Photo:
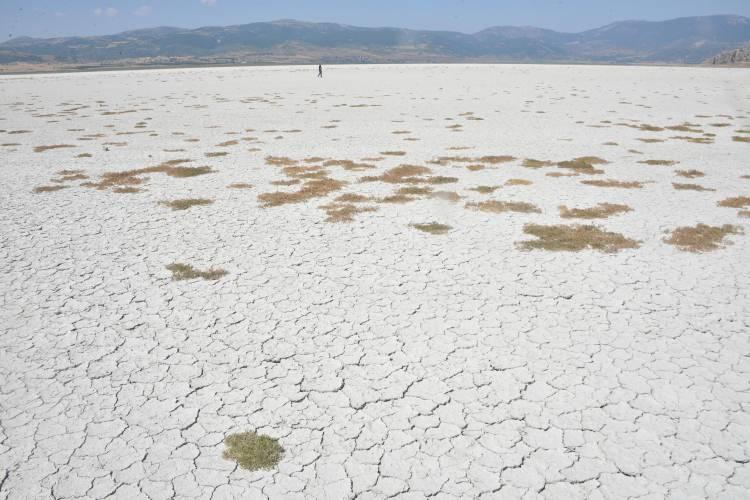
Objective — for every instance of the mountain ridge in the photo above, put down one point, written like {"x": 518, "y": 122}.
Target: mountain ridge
{"x": 687, "y": 40}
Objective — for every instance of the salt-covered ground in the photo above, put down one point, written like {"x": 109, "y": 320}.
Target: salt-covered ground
{"x": 388, "y": 361}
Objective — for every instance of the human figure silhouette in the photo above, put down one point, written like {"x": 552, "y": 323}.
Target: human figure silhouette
{"x": 320, "y": 71}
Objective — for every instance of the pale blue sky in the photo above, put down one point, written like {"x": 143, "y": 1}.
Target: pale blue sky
{"x": 46, "y": 18}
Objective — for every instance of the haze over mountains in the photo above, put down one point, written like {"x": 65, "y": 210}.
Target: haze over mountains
{"x": 684, "y": 40}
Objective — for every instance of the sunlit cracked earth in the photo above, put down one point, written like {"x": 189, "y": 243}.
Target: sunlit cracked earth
{"x": 387, "y": 360}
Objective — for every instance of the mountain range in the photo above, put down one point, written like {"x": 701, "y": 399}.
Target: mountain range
{"x": 686, "y": 40}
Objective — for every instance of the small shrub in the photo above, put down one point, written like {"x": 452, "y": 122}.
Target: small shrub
{"x": 253, "y": 451}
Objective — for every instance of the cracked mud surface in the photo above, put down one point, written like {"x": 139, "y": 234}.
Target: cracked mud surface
{"x": 388, "y": 362}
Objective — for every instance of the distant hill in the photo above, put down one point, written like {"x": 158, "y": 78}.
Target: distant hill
{"x": 686, "y": 40}
{"x": 737, "y": 57}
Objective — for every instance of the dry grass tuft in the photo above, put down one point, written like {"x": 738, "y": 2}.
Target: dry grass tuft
{"x": 580, "y": 166}
{"x": 485, "y": 189}
{"x": 352, "y": 198}
{"x": 348, "y": 165}
{"x": 252, "y": 451}
{"x": 432, "y": 228}
{"x": 736, "y": 202}
{"x": 401, "y": 174}
{"x": 315, "y": 188}
{"x": 393, "y": 153}
{"x": 227, "y": 143}
{"x": 601, "y": 211}
{"x": 240, "y": 185}
{"x": 287, "y": 182}
{"x": 344, "y": 212}
{"x": 612, "y": 183}
{"x": 739, "y": 138}
{"x": 186, "y": 203}
{"x": 280, "y": 161}
{"x": 667, "y": 163}
{"x": 492, "y": 160}
{"x": 397, "y": 199}
{"x": 475, "y": 168}
{"x": 216, "y": 154}
{"x": 518, "y": 182}
{"x": 41, "y": 149}
{"x": 187, "y": 171}
{"x": 701, "y": 238}
{"x": 574, "y": 238}
{"x": 415, "y": 190}
{"x": 182, "y": 272}
{"x": 497, "y": 207}
{"x": 126, "y": 190}
{"x": 561, "y": 174}
{"x": 690, "y": 187}
{"x": 48, "y": 189}
{"x": 84, "y": 155}
{"x": 690, "y": 174}
{"x": 531, "y": 163}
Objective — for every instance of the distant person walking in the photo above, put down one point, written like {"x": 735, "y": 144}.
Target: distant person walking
{"x": 320, "y": 71}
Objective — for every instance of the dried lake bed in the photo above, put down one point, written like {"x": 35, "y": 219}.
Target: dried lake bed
{"x": 456, "y": 281}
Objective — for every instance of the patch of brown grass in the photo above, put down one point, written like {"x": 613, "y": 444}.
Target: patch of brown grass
{"x": 397, "y": 199}
{"x": 348, "y": 165}
{"x": 182, "y": 272}
{"x": 580, "y": 166}
{"x": 316, "y": 188}
{"x": 601, "y": 211}
{"x": 288, "y": 182}
{"x": 492, "y": 160}
{"x": 690, "y": 174}
{"x": 186, "y": 203}
{"x": 344, "y": 212}
{"x": 560, "y": 174}
{"x": 216, "y": 154}
{"x": 574, "y": 238}
{"x": 187, "y": 171}
{"x": 126, "y": 190}
{"x": 240, "y": 185}
{"x": 48, "y": 189}
{"x": 690, "y": 187}
{"x": 485, "y": 189}
{"x": 432, "y": 228}
{"x": 612, "y": 183}
{"x": 280, "y": 161}
{"x": 497, "y": 207}
{"x": 531, "y": 163}
{"x": 701, "y": 238}
{"x": 352, "y": 198}
{"x": 736, "y": 202}
{"x": 400, "y": 174}
{"x": 739, "y": 138}
{"x": 41, "y": 149}
{"x": 695, "y": 140}
{"x": 475, "y": 168}
{"x": 393, "y": 153}
{"x": 227, "y": 143}
{"x": 651, "y": 141}
{"x": 518, "y": 182}
{"x": 415, "y": 190}
{"x": 666, "y": 163}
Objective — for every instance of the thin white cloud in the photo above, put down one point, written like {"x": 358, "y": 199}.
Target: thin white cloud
{"x": 108, "y": 12}
{"x": 143, "y": 11}
{"x": 208, "y": 3}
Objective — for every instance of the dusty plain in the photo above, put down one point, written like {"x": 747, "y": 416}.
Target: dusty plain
{"x": 498, "y": 281}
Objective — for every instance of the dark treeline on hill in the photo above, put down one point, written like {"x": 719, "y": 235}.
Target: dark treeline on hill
{"x": 686, "y": 40}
